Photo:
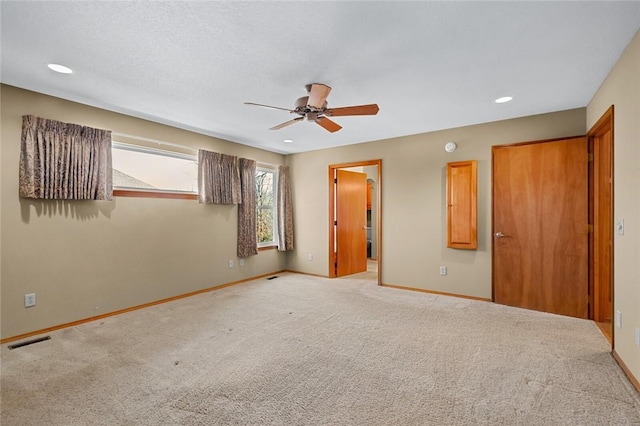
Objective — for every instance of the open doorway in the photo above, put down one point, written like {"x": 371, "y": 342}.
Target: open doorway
{"x": 355, "y": 220}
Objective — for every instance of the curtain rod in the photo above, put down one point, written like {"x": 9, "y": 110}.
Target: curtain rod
{"x": 175, "y": 145}
{"x": 159, "y": 142}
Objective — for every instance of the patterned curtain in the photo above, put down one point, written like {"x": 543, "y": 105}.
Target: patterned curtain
{"x": 247, "y": 234}
{"x": 64, "y": 161}
{"x": 218, "y": 178}
{"x": 284, "y": 210}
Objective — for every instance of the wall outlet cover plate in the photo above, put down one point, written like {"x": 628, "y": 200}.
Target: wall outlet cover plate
{"x": 29, "y": 300}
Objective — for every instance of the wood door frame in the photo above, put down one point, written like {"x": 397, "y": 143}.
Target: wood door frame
{"x": 332, "y": 218}
{"x": 605, "y": 123}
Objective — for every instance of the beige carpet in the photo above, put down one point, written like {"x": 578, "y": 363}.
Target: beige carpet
{"x": 300, "y": 350}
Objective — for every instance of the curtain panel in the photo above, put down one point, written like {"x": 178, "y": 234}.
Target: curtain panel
{"x": 218, "y": 178}
{"x": 284, "y": 210}
{"x": 64, "y": 161}
{"x": 247, "y": 234}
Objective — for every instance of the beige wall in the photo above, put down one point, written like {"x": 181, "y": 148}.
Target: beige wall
{"x": 88, "y": 258}
{"x": 622, "y": 89}
{"x": 413, "y": 243}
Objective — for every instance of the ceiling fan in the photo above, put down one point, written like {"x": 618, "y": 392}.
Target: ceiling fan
{"x": 314, "y": 108}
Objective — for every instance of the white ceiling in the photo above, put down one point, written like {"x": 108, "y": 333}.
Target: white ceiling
{"x": 428, "y": 65}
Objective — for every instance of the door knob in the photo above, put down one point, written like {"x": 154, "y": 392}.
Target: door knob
{"x": 499, "y": 235}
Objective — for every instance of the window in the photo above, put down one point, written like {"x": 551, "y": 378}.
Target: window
{"x": 153, "y": 171}
{"x": 149, "y": 172}
{"x": 266, "y": 180}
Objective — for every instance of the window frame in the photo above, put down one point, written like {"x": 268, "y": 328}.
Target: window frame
{"x": 261, "y": 167}
{"x": 153, "y": 193}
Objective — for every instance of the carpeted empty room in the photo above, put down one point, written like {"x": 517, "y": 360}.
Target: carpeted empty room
{"x": 302, "y": 350}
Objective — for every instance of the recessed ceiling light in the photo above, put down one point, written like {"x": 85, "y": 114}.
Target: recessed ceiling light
{"x": 503, "y": 99}
{"x": 60, "y": 68}
{"x": 288, "y": 141}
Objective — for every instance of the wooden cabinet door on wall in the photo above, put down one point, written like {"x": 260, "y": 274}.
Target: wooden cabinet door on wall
{"x": 462, "y": 190}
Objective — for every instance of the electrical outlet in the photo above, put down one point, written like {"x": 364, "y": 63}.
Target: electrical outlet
{"x": 638, "y": 336}
{"x": 241, "y": 262}
{"x": 310, "y": 257}
{"x": 618, "y": 319}
{"x": 231, "y": 263}
{"x": 443, "y": 270}
{"x": 29, "y": 300}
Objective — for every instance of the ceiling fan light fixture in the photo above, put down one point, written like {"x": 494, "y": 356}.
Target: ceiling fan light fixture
{"x": 504, "y": 99}
{"x": 60, "y": 68}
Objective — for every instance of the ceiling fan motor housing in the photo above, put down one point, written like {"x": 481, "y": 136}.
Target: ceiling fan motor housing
{"x": 303, "y": 108}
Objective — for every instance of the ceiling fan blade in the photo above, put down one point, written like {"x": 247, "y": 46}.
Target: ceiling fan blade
{"x": 268, "y": 106}
{"x": 329, "y": 125}
{"x": 371, "y": 109}
{"x": 318, "y": 95}
{"x": 286, "y": 123}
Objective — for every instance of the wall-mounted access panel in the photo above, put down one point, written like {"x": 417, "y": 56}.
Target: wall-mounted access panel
{"x": 462, "y": 194}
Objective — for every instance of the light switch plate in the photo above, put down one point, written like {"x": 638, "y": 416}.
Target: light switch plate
{"x": 620, "y": 227}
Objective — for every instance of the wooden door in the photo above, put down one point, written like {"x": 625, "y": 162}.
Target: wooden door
{"x": 540, "y": 243}
{"x": 351, "y": 221}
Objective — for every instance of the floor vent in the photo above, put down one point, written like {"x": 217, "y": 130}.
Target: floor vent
{"x": 29, "y": 342}
{"x": 273, "y": 278}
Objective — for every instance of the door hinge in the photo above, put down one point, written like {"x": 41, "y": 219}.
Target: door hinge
{"x": 590, "y": 157}
{"x": 335, "y": 180}
{"x": 590, "y": 228}
{"x": 335, "y": 223}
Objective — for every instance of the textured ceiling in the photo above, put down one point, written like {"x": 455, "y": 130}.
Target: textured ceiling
{"x": 428, "y": 65}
